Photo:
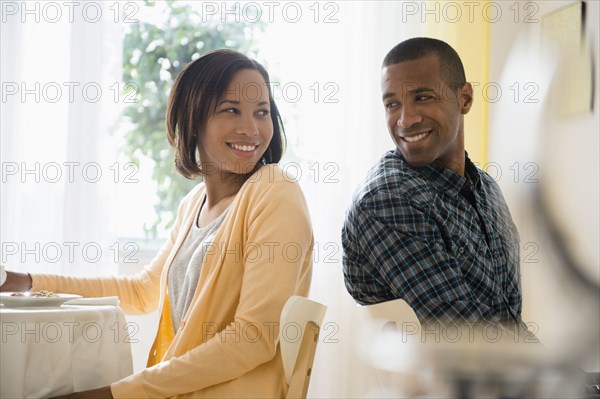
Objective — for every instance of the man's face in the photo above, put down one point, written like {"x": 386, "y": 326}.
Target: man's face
{"x": 424, "y": 115}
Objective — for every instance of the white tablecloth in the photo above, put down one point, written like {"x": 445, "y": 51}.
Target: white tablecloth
{"x": 53, "y": 351}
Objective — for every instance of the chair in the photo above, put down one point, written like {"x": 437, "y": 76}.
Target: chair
{"x": 391, "y": 314}
{"x": 379, "y": 323}
{"x": 298, "y": 337}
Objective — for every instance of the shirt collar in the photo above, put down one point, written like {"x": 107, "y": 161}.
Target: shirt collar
{"x": 472, "y": 172}
{"x": 446, "y": 179}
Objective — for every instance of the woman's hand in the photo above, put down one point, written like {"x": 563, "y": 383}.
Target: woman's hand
{"x": 17, "y": 282}
{"x": 100, "y": 393}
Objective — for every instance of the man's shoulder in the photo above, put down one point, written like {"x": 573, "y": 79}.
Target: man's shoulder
{"x": 489, "y": 183}
{"x": 391, "y": 175}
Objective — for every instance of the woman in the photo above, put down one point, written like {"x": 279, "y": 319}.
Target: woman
{"x": 240, "y": 247}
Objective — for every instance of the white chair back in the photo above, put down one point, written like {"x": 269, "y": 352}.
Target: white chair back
{"x": 294, "y": 316}
{"x": 383, "y": 326}
{"x": 396, "y": 313}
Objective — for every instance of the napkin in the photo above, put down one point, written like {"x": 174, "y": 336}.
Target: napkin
{"x": 2, "y": 275}
{"x": 101, "y": 301}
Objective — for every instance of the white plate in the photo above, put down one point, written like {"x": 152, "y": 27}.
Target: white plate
{"x": 19, "y": 301}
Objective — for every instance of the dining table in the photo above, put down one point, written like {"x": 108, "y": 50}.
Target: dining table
{"x": 46, "y": 351}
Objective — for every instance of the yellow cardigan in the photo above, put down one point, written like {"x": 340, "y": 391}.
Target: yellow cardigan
{"x": 227, "y": 344}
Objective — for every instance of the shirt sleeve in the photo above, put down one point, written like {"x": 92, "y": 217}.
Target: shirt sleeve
{"x": 400, "y": 252}
{"x": 361, "y": 277}
{"x": 138, "y": 294}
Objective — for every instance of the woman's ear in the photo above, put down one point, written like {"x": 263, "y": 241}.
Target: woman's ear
{"x": 466, "y": 98}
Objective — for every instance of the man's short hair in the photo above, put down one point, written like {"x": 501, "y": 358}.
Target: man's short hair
{"x": 450, "y": 64}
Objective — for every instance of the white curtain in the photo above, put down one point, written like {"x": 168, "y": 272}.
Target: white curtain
{"x": 58, "y": 110}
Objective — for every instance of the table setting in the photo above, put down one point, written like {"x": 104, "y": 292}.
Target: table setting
{"x": 53, "y": 344}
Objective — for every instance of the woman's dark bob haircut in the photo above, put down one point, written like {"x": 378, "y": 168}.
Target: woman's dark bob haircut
{"x": 198, "y": 89}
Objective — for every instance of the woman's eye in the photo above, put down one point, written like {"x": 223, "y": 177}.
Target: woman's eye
{"x": 229, "y": 110}
{"x": 264, "y": 112}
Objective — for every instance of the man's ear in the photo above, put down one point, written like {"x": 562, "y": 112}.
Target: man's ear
{"x": 466, "y": 98}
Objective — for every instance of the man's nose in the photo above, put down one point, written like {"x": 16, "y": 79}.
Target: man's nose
{"x": 409, "y": 117}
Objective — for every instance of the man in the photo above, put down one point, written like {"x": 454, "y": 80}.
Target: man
{"x": 427, "y": 225}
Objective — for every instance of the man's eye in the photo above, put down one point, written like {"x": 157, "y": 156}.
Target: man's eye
{"x": 424, "y": 98}
{"x": 391, "y": 104}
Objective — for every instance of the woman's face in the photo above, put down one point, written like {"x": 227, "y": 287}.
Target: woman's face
{"x": 237, "y": 135}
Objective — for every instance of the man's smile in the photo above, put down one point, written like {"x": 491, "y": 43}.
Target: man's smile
{"x": 416, "y": 137}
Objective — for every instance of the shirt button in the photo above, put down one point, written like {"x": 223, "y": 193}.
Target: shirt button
{"x": 461, "y": 250}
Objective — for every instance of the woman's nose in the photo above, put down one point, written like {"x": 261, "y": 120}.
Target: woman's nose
{"x": 247, "y": 126}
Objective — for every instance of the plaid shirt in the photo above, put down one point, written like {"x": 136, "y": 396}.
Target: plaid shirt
{"x": 444, "y": 243}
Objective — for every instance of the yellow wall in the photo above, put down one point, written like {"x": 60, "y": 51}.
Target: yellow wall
{"x": 471, "y": 40}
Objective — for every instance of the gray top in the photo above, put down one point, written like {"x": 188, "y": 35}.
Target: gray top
{"x": 185, "y": 269}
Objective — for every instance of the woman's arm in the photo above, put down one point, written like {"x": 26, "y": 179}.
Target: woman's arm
{"x": 17, "y": 282}
{"x": 138, "y": 293}
{"x": 100, "y": 393}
